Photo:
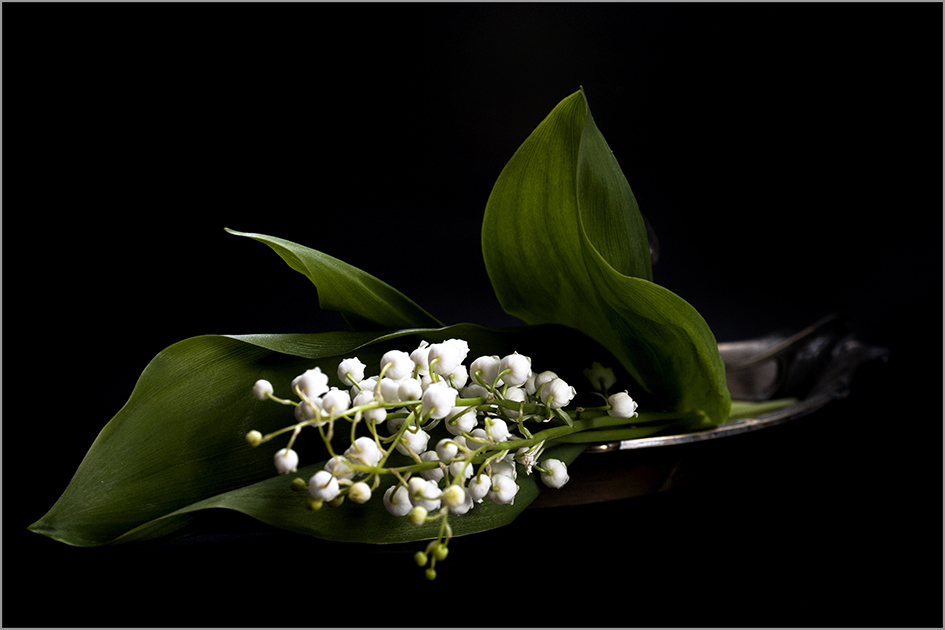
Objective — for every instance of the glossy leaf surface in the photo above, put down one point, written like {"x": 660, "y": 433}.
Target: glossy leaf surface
{"x": 564, "y": 242}
{"x": 366, "y": 302}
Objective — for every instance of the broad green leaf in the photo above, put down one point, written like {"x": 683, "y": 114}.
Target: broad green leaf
{"x": 366, "y": 302}
{"x": 273, "y": 502}
{"x": 180, "y": 438}
{"x": 564, "y": 242}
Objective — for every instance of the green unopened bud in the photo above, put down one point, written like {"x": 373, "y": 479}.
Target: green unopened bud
{"x": 254, "y": 438}
{"x": 315, "y": 504}
{"x": 420, "y": 558}
{"x": 299, "y": 484}
{"x": 337, "y": 501}
{"x": 417, "y": 515}
{"x": 440, "y": 552}
{"x": 431, "y": 574}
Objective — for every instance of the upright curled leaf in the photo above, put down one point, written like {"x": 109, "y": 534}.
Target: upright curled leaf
{"x": 564, "y": 242}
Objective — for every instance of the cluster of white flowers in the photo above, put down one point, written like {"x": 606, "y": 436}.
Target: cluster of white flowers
{"x": 483, "y": 408}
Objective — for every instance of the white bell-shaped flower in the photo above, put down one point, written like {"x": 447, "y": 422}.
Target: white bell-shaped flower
{"x": 424, "y": 493}
{"x": 261, "y": 389}
{"x": 312, "y": 383}
{"x": 323, "y": 486}
{"x": 503, "y": 490}
{"x": 515, "y": 394}
{"x": 390, "y": 390}
{"x": 458, "y": 377}
{"x": 433, "y": 474}
{"x": 622, "y": 406}
{"x": 420, "y": 358}
{"x": 447, "y": 355}
{"x": 446, "y": 450}
{"x": 367, "y": 385}
{"x": 461, "y": 468}
{"x": 540, "y": 379}
{"x": 520, "y": 367}
{"x": 397, "y": 500}
{"x": 409, "y": 389}
{"x": 484, "y": 370}
{"x": 339, "y": 468}
{"x": 438, "y": 400}
{"x": 479, "y": 487}
{"x": 557, "y": 474}
{"x": 415, "y": 441}
{"x": 465, "y": 421}
{"x": 335, "y": 402}
{"x": 556, "y": 393}
{"x": 497, "y": 429}
{"x": 286, "y": 460}
{"x": 309, "y": 410}
{"x": 401, "y": 365}
{"x": 365, "y": 451}
{"x": 473, "y": 390}
{"x": 351, "y": 371}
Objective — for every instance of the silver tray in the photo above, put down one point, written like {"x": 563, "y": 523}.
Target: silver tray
{"x": 815, "y": 365}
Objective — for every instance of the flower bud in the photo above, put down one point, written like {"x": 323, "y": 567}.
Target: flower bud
{"x": 601, "y": 378}
{"x": 417, "y": 515}
{"x": 351, "y": 371}
{"x": 254, "y": 438}
{"x": 454, "y": 496}
{"x": 286, "y": 460}
{"x": 262, "y": 389}
{"x": 557, "y": 474}
{"x": 622, "y": 406}
{"x": 360, "y": 492}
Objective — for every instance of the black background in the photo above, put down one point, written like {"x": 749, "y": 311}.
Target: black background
{"x": 789, "y": 157}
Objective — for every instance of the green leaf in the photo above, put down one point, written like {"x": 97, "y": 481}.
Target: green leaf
{"x": 178, "y": 445}
{"x": 366, "y": 302}
{"x": 564, "y": 242}
{"x": 273, "y": 502}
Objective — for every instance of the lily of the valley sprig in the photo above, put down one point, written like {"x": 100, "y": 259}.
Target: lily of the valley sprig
{"x": 425, "y": 431}
{"x": 465, "y": 431}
